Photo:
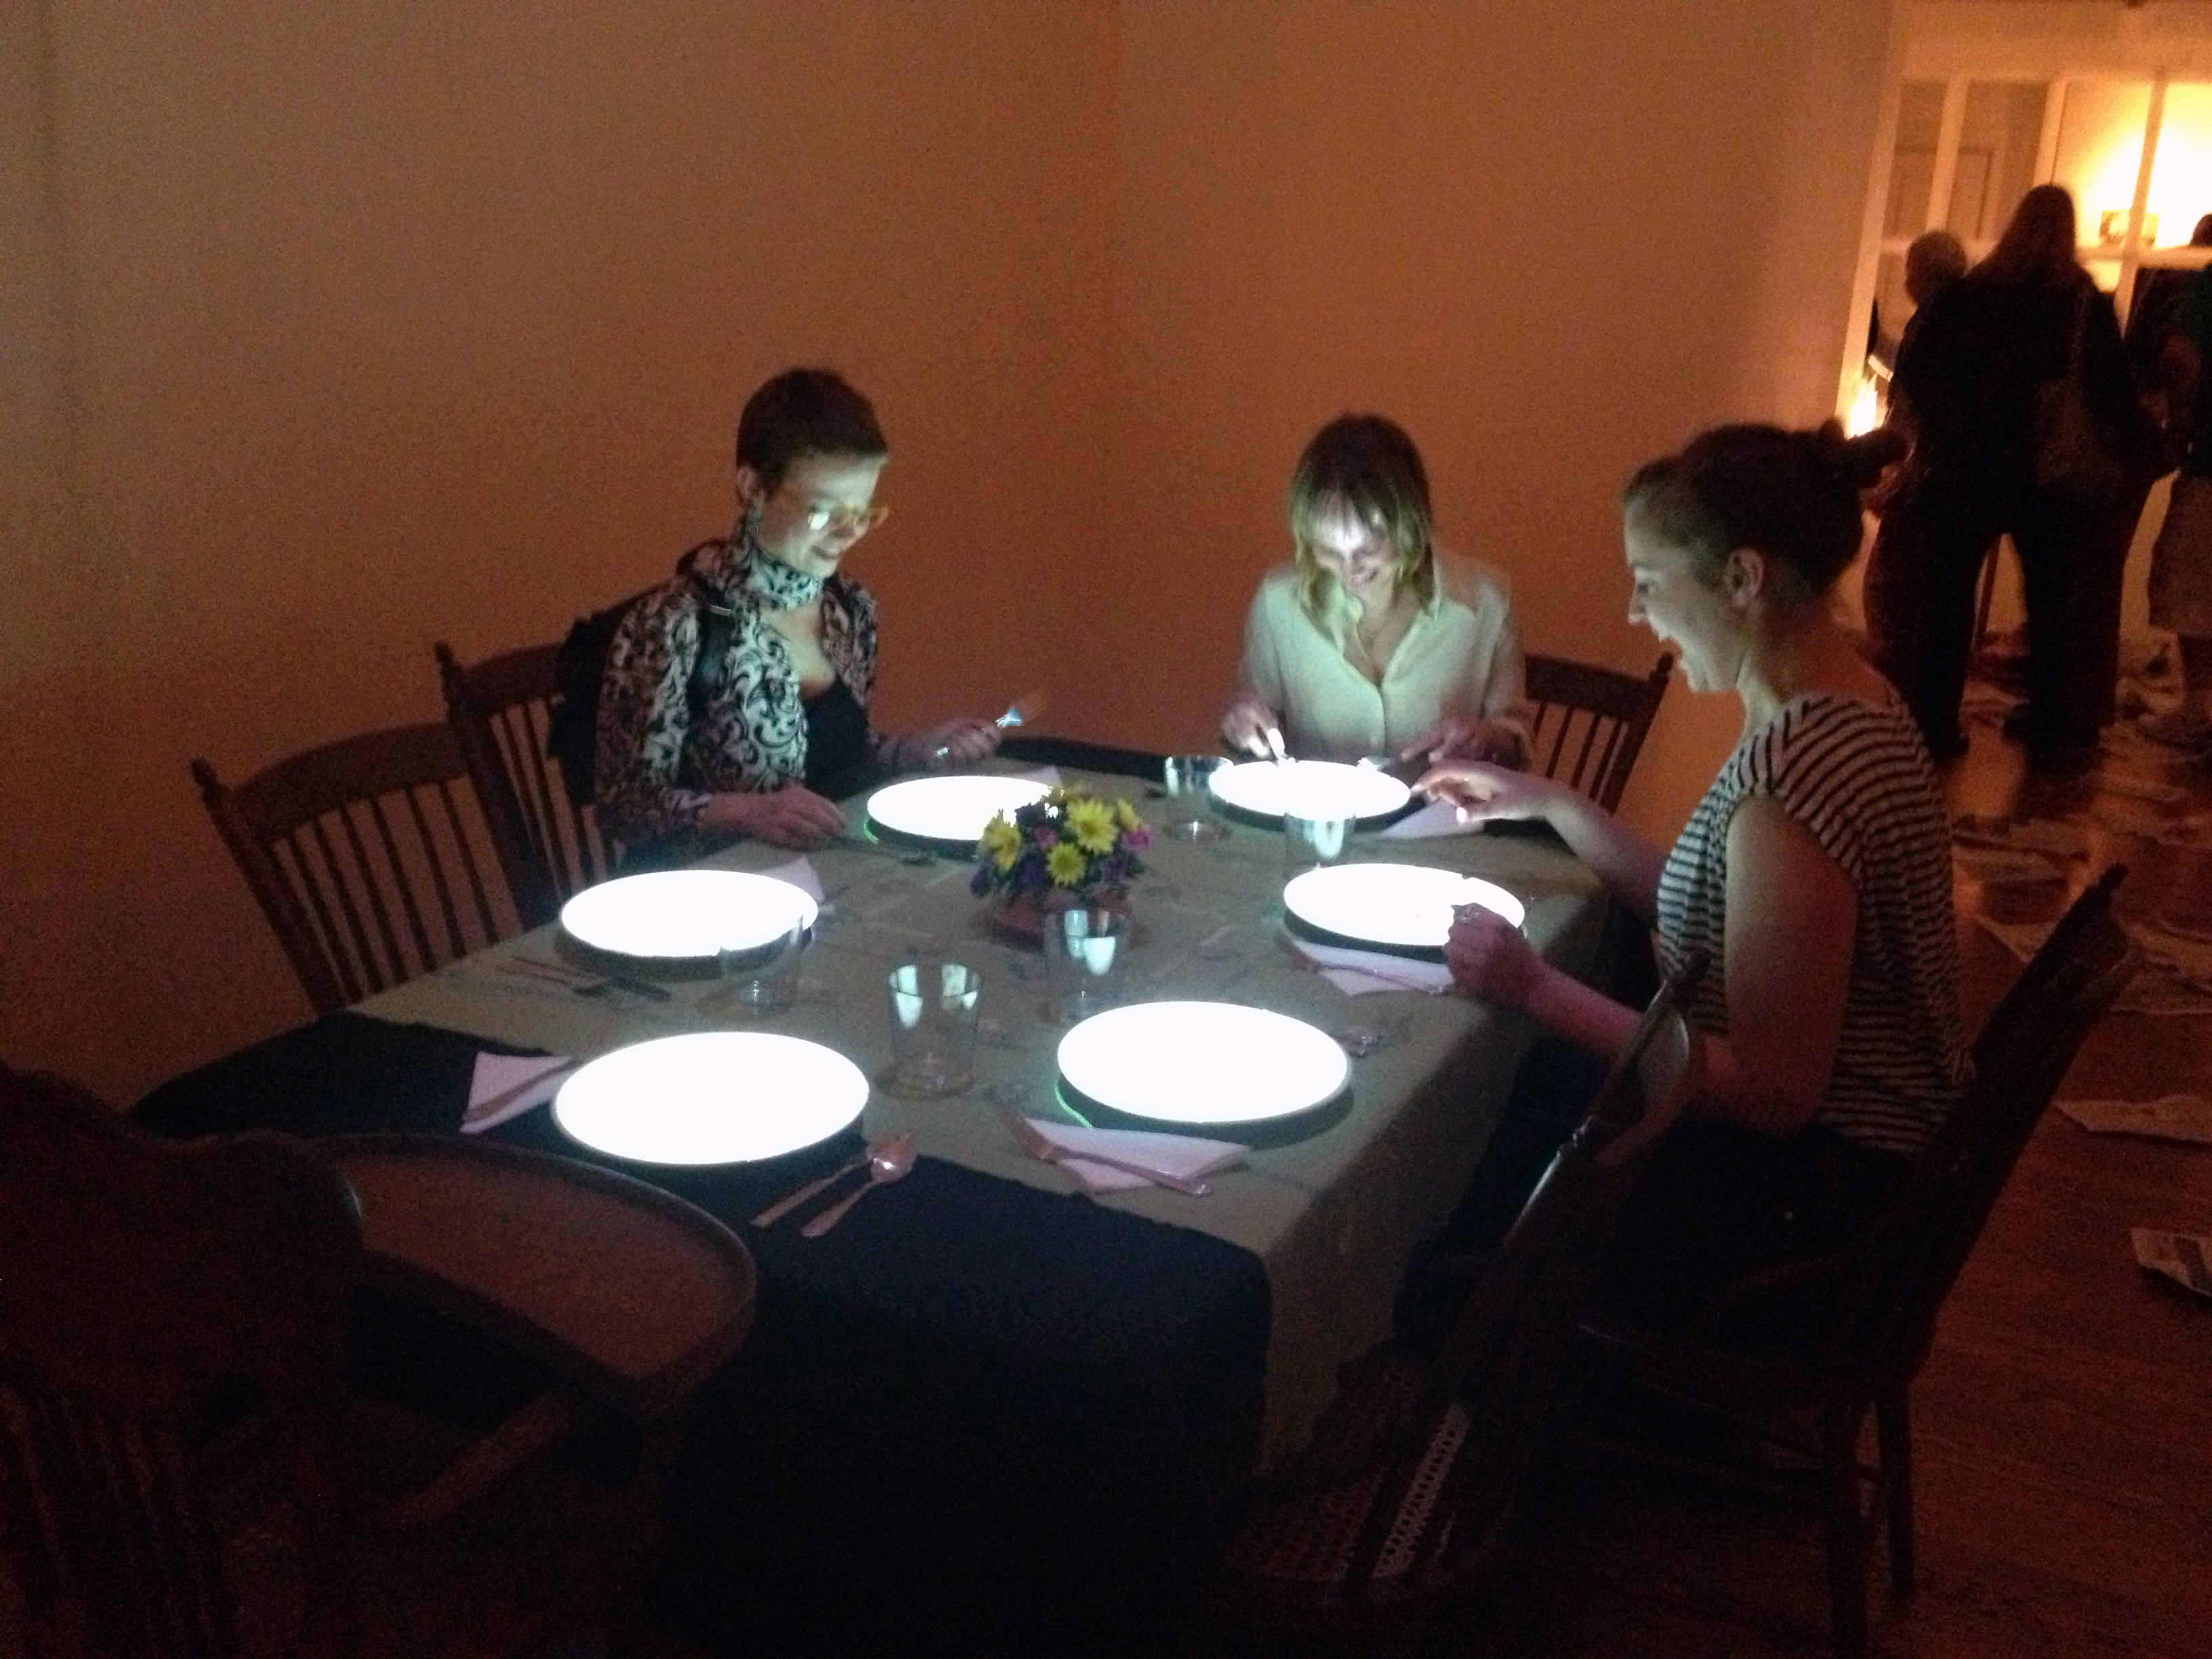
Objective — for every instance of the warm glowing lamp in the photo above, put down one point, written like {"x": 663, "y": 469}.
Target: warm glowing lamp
{"x": 1203, "y": 1063}
{"x": 711, "y": 1097}
{"x": 686, "y": 914}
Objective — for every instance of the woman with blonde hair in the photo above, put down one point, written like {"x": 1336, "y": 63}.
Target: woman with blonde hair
{"x": 1372, "y": 641}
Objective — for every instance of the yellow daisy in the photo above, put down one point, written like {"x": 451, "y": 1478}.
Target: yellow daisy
{"x": 1126, "y": 816}
{"x": 1066, "y": 863}
{"x": 1091, "y": 823}
{"x": 1002, "y": 841}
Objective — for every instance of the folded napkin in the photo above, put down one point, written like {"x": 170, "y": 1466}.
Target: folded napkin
{"x": 508, "y": 1085}
{"x": 2170, "y": 1117}
{"x": 801, "y": 873}
{"x": 1047, "y": 775}
{"x": 1175, "y": 1155}
{"x": 1439, "y": 818}
{"x": 1360, "y": 973}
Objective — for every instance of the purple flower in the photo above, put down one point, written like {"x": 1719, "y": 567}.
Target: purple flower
{"x": 1141, "y": 836}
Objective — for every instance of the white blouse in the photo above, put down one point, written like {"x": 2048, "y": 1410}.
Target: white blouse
{"x": 1462, "y": 656}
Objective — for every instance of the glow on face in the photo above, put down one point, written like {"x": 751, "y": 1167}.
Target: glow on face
{"x": 1666, "y": 596}
{"x": 1359, "y": 555}
{"x": 819, "y": 510}
{"x": 711, "y": 1097}
{"x": 1203, "y": 1062}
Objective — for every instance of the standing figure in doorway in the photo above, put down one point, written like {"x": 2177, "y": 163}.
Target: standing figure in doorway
{"x": 2181, "y": 563}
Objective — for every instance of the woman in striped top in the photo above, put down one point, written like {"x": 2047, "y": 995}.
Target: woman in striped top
{"x": 1816, "y": 872}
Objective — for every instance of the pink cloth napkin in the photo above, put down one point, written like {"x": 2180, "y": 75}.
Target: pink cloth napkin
{"x": 508, "y": 1085}
{"x": 1178, "y": 1155}
{"x": 1361, "y": 973}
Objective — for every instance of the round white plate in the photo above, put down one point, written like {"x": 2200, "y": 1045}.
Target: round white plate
{"x": 1313, "y": 789}
{"x": 949, "y": 809}
{"x": 711, "y": 1097}
{"x": 1407, "y": 905}
{"x": 686, "y": 914}
{"x": 1203, "y": 1062}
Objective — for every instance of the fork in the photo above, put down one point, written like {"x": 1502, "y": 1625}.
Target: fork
{"x": 1045, "y": 1150}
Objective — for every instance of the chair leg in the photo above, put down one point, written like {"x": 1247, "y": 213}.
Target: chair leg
{"x": 1846, "y": 1527}
{"x": 1894, "y": 1426}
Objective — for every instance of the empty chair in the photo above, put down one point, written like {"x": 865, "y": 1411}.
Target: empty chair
{"x": 1395, "y": 1509}
{"x": 370, "y": 856}
{"x": 183, "y": 1471}
{"x": 501, "y": 710}
{"x": 1843, "y": 1335}
{"x": 1590, "y": 722}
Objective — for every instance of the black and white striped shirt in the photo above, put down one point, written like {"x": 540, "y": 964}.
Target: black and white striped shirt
{"x": 1857, "y": 776}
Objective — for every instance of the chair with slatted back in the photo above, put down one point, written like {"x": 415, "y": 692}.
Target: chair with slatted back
{"x": 1395, "y": 1512}
{"x": 501, "y": 710}
{"x": 1842, "y": 1336}
{"x": 1590, "y": 722}
{"x": 184, "y": 1470}
{"x": 371, "y": 857}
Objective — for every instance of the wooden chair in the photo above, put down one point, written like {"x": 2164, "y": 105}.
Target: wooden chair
{"x": 183, "y": 1471}
{"x": 371, "y": 857}
{"x": 500, "y": 710}
{"x": 1591, "y": 722}
{"x": 1395, "y": 1508}
{"x": 1863, "y": 1320}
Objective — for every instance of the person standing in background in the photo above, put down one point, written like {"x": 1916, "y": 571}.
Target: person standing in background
{"x": 2181, "y": 562}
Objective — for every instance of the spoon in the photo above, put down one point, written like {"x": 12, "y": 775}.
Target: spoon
{"x": 782, "y": 1207}
{"x": 891, "y": 1161}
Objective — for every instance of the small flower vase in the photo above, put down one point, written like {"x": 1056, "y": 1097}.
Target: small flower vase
{"x": 1023, "y": 914}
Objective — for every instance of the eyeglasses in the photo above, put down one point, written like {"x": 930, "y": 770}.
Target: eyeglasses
{"x": 818, "y": 516}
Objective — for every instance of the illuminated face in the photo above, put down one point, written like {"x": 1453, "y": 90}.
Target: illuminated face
{"x": 1666, "y": 595}
{"x": 1360, "y": 555}
{"x": 824, "y": 504}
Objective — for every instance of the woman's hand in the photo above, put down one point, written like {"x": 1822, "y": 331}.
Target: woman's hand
{"x": 960, "y": 742}
{"x": 1246, "y": 721}
{"x": 1455, "y": 738}
{"x": 794, "y": 815}
{"x": 1483, "y": 791}
{"x": 1490, "y": 957}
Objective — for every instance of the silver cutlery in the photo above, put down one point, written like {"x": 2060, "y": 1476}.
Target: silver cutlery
{"x": 892, "y": 1161}
{"x": 581, "y": 980}
{"x": 1045, "y": 1150}
{"x": 782, "y": 1207}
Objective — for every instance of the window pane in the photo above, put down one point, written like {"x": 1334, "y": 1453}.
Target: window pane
{"x": 2099, "y": 149}
{"x": 2181, "y": 180}
{"x": 1996, "y": 156}
{"x": 1912, "y": 163}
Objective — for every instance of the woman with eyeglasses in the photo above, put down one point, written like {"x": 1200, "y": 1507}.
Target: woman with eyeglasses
{"x": 1371, "y": 642}
{"x": 780, "y": 726}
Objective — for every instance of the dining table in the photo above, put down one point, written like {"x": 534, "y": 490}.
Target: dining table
{"x": 991, "y": 1411}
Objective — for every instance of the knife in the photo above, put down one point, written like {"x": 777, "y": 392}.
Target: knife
{"x": 1045, "y": 1150}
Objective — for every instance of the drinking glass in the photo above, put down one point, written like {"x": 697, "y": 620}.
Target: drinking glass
{"x": 1084, "y": 950}
{"x": 1311, "y": 842}
{"x": 932, "y": 1013}
{"x": 1189, "y": 780}
{"x": 763, "y": 980}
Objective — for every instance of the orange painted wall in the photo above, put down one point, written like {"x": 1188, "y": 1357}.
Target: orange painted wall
{"x": 332, "y": 330}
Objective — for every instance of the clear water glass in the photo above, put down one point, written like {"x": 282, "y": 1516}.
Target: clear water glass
{"x": 1189, "y": 782}
{"x": 933, "y": 1005}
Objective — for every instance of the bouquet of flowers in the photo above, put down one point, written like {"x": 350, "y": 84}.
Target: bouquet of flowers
{"x": 1071, "y": 843}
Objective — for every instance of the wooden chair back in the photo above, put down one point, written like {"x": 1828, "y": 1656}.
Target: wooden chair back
{"x": 1590, "y": 722}
{"x": 158, "y": 1300}
{"x": 1401, "y": 1500}
{"x": 371, "y": 857}
{"x": 1885, "y": 1318}
{"x": 501, "y": 710}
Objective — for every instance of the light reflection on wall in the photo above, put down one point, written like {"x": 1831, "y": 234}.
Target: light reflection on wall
{"x": 2181, "y": 185}
{"x": 2101, "y": 147}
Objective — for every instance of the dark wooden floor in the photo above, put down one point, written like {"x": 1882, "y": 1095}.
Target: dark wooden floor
{"x": 2063, "y": 1423}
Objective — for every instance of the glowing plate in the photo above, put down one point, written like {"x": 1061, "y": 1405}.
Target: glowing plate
{"x": 711, "y": 1097}
{"x": 1212, "y": 1063}
{"x": 1404, "y": 906}
{"x": 949, "y": 813}
{"x": 1313, "y": 789}
{"x": 685, "y": 915}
